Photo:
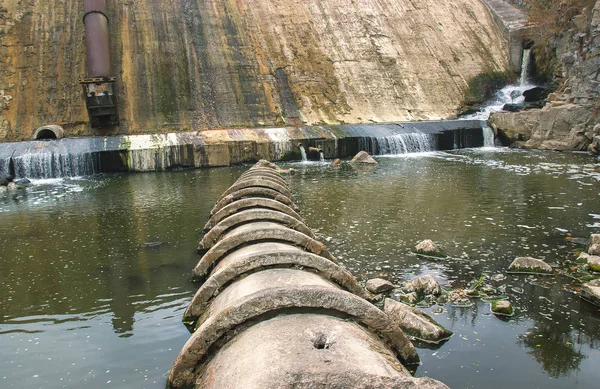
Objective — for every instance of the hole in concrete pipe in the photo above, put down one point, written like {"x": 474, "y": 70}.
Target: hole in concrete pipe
{"x": 322, "y": 341}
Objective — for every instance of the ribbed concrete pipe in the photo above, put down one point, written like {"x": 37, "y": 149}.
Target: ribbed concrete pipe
{"x": 273, "y": 300}
{"x": 249, "y": 203}
{"x": 262, "y": 182}
{"x": 253, "y": 192}
{"x": 254, "y": 233}
{"x": 262, "y": 176}
{"x": 262, "y": 256}
{"x": 264, "y": 172}
{"x": 328, "y": 352}
{"x": 248, "y": 216}
{"x": 270, "y": 289}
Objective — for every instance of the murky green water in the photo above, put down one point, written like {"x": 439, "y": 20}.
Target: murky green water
{"x": 83, "y": 304}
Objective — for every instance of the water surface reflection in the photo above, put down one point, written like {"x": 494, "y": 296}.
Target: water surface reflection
{"x": 85, "y": 304}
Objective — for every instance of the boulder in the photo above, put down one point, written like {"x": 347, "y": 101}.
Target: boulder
{"x": 535, "y": 94}
{"x": 583, "y": 257}
{"x": 502, "y": 308}
{"x": 5, "y": 179}
{"x": 414, "y": 323}
{"x": 364, "y": 157}
{"x": 379, "y": 285}
{"x": 594, "y": 249}
{"x": 591, "y": 292}
{"x": 510, "y": 107}
{"x": 409, "y": 298}
{"x": 594, "y": 240}
{"x": 336, "y": 162}
{"x": 529, "y": 265}
{"x": 423, "y": 286}
{"x": 428, "y": 247}
{"x": 593, "y": 263}
{"x": 553, "y": 127}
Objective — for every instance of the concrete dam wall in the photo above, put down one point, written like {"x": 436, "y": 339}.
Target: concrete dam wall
{"x": 275, "y": 310}
{"x": 205, "y": 64}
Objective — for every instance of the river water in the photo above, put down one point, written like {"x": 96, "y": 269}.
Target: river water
{"x": 85, "y": 304}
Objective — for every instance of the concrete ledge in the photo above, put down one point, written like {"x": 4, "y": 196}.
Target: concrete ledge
{"x": 513, "y": 24}
{"x": 140, "y": 153}
{"x": 249, "y": 203}
{"x": 277, "y": 299}
{"x": 253, "y": 192}
{"x": 252, "y": 215}
{"x": 268, "y": 255}
{"x": 255, "y": 233}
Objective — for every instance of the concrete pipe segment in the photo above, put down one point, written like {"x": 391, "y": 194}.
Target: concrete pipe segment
{"x": 275, "y": 310}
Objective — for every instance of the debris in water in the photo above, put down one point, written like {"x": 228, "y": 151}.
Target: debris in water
{"x": 148, "y": 245}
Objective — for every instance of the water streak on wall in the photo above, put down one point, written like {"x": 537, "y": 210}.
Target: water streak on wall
{"x": 206, "y": 64}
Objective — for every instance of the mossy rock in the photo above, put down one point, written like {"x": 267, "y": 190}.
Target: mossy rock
{"x": 502, "y": 308}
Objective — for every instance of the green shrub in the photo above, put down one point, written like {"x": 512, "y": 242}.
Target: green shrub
{"x": 484, "y": 85}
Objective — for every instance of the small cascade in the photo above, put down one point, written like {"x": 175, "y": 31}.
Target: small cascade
{"x": 303, "y": 153}
{"x": 525, "y": 66}
{"x": 400, "y": 144}
{"x": 488, "y": 136}
{"x": 510, "y": 94}
{"x": 50, "y": 165}
{"x": 321, "y": 157}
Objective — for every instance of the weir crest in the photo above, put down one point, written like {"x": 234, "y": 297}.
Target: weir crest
{"x": 70, "y": 157}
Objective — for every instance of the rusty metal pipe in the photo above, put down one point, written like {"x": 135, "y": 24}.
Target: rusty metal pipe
{"x": 314, "y": 149}
{"x": 96, "y": 38}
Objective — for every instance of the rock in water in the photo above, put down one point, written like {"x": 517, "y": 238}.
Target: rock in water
{"x": 583, "y": 257}
{"x": 409, "y": 298}
{"x": 594, "y": 239}
{"x": 379, "y": 285}
{"x": 5, "y": 179}
{"x": 502, "y": 308}
{"x": 591, "y": 292}
{"x": 3, "y": 190}
{"x": 415, "y": 323}
{"x": 336, "y": 162}
{"x": 593, "y": 247}
{"x": 424, "y": 286}
{"x": 510, "y": 107}
{"x": 593, "y": 263}
{"x": 535, "y": 94}
{"x": 529, "y": 265}
{"x": 428, "y": 247}
{"x": 151, "y": 245}
{"x": 364, "y": 157}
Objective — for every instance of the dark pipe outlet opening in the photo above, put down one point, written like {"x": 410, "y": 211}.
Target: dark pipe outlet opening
{"x": 45, "y": 135}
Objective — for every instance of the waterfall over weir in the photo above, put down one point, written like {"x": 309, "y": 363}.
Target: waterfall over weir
{"x": 400, "y": 144}
{"x": 139, "y": 153}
